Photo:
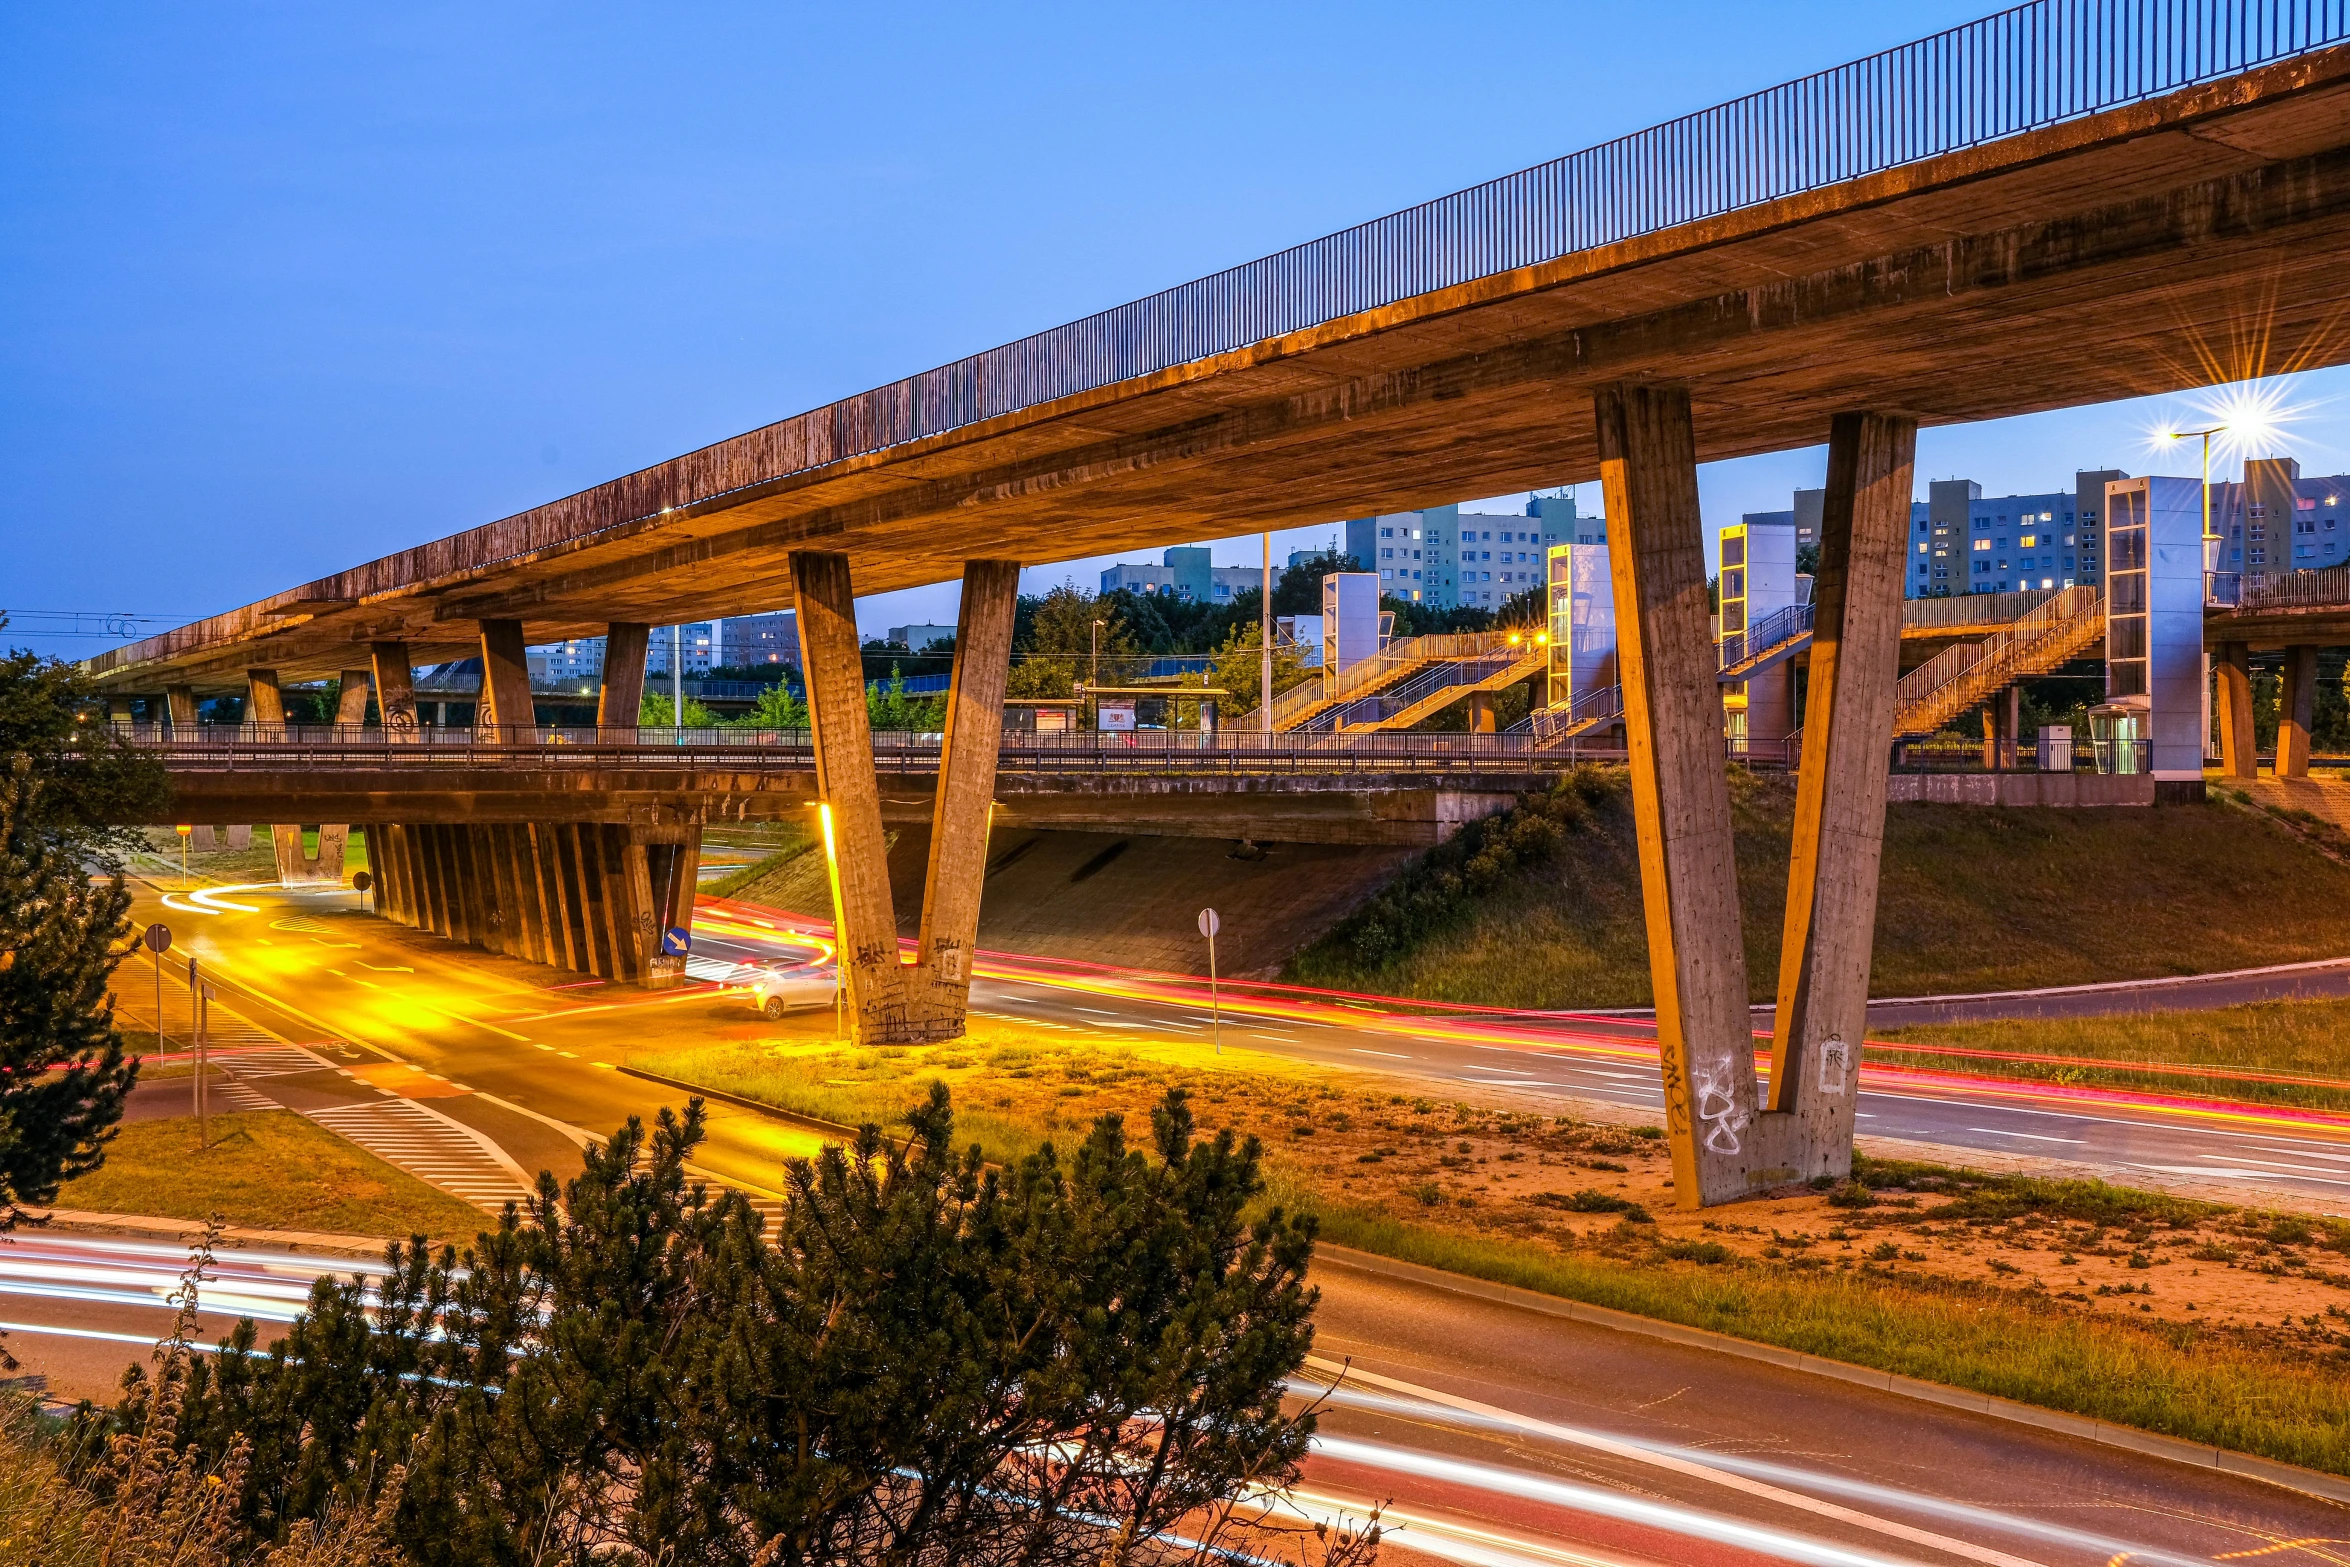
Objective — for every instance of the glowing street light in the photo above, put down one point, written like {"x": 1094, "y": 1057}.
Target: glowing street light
{"x": 2244, "y": 419}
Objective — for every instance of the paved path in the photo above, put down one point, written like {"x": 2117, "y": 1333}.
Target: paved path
{"x": 1500, "y": 1434}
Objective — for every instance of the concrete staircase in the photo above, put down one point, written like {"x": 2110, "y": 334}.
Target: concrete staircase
{"x": 1315, "y": 705}
{"x": 1971, "y": 673}
{"x": 1546, "y": 727}
{"x": 1440, "y": 684}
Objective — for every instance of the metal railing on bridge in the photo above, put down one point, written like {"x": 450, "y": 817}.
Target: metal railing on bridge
{"x": 2324, "y": 587}
{"x": 2020, "y": 70}
{"x": 278, "y": 748}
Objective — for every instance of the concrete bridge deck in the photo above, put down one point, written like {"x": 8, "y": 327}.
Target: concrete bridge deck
{"x": 2169, "y": 202}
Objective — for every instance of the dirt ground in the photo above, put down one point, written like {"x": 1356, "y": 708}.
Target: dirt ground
{"x": 1598, "y": 1185}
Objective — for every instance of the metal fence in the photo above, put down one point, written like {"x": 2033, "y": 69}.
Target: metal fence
{"x": 324, "y": 749}
{"x": 2324, "y": 587}
{"x": 2020, "y": 70}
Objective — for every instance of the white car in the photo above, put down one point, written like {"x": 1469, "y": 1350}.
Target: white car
{"x": 783, "y": 985}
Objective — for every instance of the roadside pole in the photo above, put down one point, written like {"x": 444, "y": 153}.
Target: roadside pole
{"x": 156, "y": 938}
{"x": 1209, "y": 924}
{"x": 196, "y": 1021}
{"x": 1265, "y": 642}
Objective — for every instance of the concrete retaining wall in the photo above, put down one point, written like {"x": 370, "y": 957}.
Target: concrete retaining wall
{"x": 2074, "y": 789}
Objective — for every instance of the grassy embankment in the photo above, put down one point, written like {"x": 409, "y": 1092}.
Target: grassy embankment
{"x": 2213, "y": 1323}
{"x": 784, "y": 869}
{"x": 1973, "y": 898}
{"x": 266, "y": 1170}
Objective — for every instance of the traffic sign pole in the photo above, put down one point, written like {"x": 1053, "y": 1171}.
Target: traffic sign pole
{"x": 1209, "y": 924}
{"x": 156, "y": 938}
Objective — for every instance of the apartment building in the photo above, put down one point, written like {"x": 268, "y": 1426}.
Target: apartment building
{"x": 1446, "y": 557}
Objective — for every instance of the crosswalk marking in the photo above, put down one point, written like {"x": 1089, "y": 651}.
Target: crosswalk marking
{"x": 432, "y": 1147}
{"x": 282, "y": 1061}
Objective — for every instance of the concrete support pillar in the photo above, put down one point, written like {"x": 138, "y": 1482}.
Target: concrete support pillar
{"x": 505, "y": 682}
{"x": 593, "y": 898}
{"x": 1840, "y": 795}
{"x": 2297, "y": 711}
{"x": 395, "y": 689}
{"x": 351, "y": 701}
{"x": 118, "y": 711}
{"x": 265, "y": 705}
{"x": 673, "y": 868}
{"x": 1680, "y": 788}
{"x": 2002, "y": 719}
{"x": 1481, "y": 717}
{"x": 181, "y": 701}
{"x": 2239, "y": 750}
{"x": 622, "y": 695}
{"x": 865, "y": 925}
{"x": 966, "y": 794}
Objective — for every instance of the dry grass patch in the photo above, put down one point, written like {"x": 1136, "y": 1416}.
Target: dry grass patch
{"x": 266, "y": 1170}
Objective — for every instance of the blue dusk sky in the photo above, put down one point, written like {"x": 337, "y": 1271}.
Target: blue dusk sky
{"x": 290, "y": 287}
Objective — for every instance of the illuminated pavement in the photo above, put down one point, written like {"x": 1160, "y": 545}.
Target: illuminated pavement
{"x": 1498, "y": 1435}
{"x": 530, "y": 1057}
{"x": 1502, "y": 1436}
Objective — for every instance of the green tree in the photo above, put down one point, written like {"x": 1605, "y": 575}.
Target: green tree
{"x": 778, "y": 707}
{"x": 1298, "y": 590}
{"x": 888, "y": 707}
{"x": 928, "y": 1362}
{"x": 1055, "y": 645}
{"x": 63, "y": 1077}
{"x": 93, "y": 779}
{"x": 655, "y": 712}
{"x": 1239, "y": 669}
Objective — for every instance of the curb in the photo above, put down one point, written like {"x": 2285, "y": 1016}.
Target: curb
{"x": 77, "y": 1221}
{"x": 2291, "y": 1477}
{"x": 721, "y": 1096}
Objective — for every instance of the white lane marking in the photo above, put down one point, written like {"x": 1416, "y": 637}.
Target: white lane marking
{"x": 1389, "y": 1054}
{"x": 2233, "y": 1175}
{"x": 1674, "y": 1464}
{"x": 1118, "y": 1017}
{"x": 1992, "y": 1131}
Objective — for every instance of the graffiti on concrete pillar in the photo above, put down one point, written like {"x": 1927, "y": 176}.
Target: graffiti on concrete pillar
{"x": 1835, "y": 1064}
{"x": 1717, "y": 1107}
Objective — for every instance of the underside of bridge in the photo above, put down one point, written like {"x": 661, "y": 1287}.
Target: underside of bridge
{"x": 2170, "y": 242}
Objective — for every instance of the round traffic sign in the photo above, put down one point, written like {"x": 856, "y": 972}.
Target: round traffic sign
{"x": 361, "y": 882}
{"x": 157, "y": 937}
{"x": 1209, "y": 924}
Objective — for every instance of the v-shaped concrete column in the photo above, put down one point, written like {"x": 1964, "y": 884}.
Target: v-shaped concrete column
{"x": 865, "y": 922}
{"x": 1680, "y": 790}
{"x": 505, "y": 704}
{"x": 889, "y": 1002}
{"x": 1840, "y": 794}
{"x": 2239, "y": 749}
{"x": 2296, "y": 711}
{"x": 395, "y": 689}
{"x": 620, "y": 695}
{"x": 966, "y": 791}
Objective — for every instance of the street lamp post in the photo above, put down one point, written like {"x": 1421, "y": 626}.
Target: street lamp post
{"x": 1265, "y": 640}
{"x": 2206, "y": 435}
{"x": 1095, "y": 678}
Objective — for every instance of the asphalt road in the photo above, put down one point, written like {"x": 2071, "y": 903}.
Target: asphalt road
{"x": 531, "y": 1057}
{"x": 1494, "y": 1434}
{"x": 1499, "y": 1435}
